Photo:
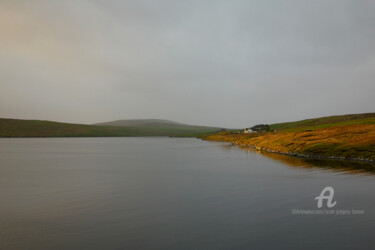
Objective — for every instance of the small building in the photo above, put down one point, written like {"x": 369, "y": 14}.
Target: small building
{"x": 248, "y": 131}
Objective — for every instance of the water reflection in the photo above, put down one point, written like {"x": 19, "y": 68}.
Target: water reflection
{"x": 345, "y": 167}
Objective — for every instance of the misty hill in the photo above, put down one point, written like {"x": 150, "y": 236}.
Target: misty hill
{"x": 38, "y": 128}
{"x": 160, "y": 127}
{"x": 151, "y": 123}
{"x": 140, "y": 122}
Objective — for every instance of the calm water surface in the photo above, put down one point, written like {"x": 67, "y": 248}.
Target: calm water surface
{"x": 164, "y": 193}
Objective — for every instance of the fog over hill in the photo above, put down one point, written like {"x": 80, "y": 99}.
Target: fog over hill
{"x": 147, "y": 122}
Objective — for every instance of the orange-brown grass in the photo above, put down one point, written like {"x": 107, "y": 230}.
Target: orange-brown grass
{"x": 351, "y": 141}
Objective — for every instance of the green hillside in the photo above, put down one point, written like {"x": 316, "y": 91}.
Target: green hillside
{"x": 325, "y": 122}
{"x": 37, "y": 128}
{"x": 350, "y": 137}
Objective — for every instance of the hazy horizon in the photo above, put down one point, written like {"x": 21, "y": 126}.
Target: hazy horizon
{"x": 214, "y": 63}
{"x": 169, "y": 120}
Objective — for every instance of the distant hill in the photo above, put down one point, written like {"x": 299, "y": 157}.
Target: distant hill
{"x": 139, "y": 122}
{"x": 162, "y": 127}
{"x": 150, "y": 123}
{"x": 38, "y": 128}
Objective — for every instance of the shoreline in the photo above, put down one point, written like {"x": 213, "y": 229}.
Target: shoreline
{"x": 349, "y": 143}
{"x": 299, "y": 155}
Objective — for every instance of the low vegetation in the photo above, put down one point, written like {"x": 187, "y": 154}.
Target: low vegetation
{"x": 325, "y": 122}
{"x": 344, "y": 137}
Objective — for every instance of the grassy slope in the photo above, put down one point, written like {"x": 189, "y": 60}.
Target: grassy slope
{"x": 36, "y": 128}
{"x": 349, "y": 136}
{"x": 325, "y": 122}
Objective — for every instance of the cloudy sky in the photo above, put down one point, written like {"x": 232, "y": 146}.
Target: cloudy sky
{"x": 224, "y": 63}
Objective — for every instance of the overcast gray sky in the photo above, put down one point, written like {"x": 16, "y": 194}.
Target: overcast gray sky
{"x": 224, "y": 63}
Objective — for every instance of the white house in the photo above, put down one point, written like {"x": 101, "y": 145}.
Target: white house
{"x": 248, "y": 131}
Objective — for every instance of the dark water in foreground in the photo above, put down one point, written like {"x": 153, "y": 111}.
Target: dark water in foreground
{"x": 162, "y": 193}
